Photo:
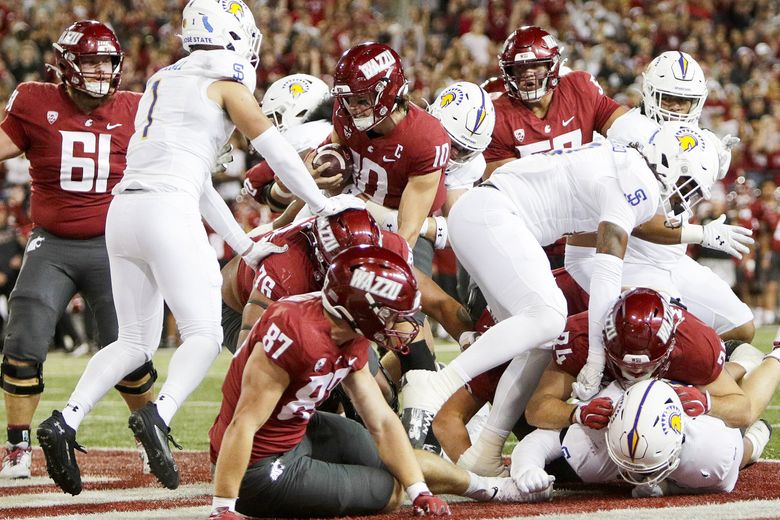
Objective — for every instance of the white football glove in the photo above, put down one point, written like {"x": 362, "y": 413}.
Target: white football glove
{"x": 482, "y": 464}
{"x": 259, "y": 250}
{"x": 733, "y": 240}
{"x": 724, "y": 154}
{"x": 531, "y": 479}
{"x": 224, "y": 156}
{"x": 588, "y": 381}
{"x": 339, "y": 203}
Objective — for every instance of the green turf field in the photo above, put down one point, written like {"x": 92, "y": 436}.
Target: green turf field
{"x": 106, "y": 425}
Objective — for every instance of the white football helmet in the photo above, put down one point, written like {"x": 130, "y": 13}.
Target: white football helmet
{"x": 685, "y": 162}
{"x": 645, "y": 432}
{"x": 228, "y": 24}
{"x": 677, "y": 74}
{"x": 288, "y": 100}
{"x": 466, "y": 112}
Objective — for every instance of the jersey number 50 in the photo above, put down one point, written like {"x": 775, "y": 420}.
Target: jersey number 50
{"x": 94, "y": 174}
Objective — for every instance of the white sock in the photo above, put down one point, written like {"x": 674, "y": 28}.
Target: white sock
{"x": 106, "y": 368}
{"x": 217, "y": 502}
{"x": 747, "y": 356}
{"x": 448, "y": 380}
{"x": 186, "y": 370}
{"x": 477, "y": 486}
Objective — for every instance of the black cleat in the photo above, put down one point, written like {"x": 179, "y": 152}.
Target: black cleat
{"x": 58, "y": 440}
{"x": 154, "y": 434}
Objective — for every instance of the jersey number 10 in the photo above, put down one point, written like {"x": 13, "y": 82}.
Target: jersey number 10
{"x": 94, "y": 174}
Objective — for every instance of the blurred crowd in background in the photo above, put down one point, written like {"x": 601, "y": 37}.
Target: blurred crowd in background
{"x": 737, "y": 43}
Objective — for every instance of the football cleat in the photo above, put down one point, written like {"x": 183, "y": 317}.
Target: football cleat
{"x": 139, "y": 447}
{"x": 223, "y": 513}
{"x": 758, "y": 433}
{"x": 58, "y": 442}
{"x": 504, "y": 489}
{"x": 154, "y": 434}
{"x": 17, "y": 461}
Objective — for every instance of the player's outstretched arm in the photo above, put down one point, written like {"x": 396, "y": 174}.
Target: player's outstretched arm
{"x": 262, "y": 386}
{"x": 416, "y": 202}
{"x": 547, "y": 408}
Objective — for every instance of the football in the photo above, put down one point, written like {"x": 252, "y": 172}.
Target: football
{"x": 338, "y": 157}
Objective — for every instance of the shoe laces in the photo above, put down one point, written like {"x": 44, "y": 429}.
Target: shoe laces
{"x": 173, "y": 441}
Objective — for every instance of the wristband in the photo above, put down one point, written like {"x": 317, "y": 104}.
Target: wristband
{"x": 416, "y": 489}
{"x": 691, "y": 234}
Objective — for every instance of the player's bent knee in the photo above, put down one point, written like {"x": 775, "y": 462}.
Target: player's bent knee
{"x": 396, "y": 498}
{"x": 139, "y": 381}
{"x": 21, "y": 379}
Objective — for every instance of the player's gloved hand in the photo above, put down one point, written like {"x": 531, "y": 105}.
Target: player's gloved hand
{"x": 223, "y": 513}
{"x": 694, "y": 401}
{"x": 259, "y": 250}
{"x": 588, "y": 381}
{"x": 532, "y": 479}
{"x": 427, "y": 504}
{"x": 339, "y": 203}
{"x": 224, "y": 156}
{"x": 595, "y": 414}
{"x": 733, "y": 240}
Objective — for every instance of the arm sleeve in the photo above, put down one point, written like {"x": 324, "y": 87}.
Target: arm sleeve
{"x": 288, "y": 166}
{"x": 219, "y": 217}
{"x": 604, "y": 290}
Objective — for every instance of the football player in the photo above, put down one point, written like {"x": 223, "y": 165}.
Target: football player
{"x": 276, "y": 455}
{"x": 674, "y": 88}
{"x": 527, "y": 119}
{"x": 76, "y": 136}
{"x": 301, "y": 102}
{"x": 155, "y": 237}
{"x": 497, "y": 231}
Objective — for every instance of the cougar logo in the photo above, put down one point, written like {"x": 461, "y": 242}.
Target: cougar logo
{"x": 376, "y": 65}
{"x": 34, "y": 244}
{"x": 376, "y": 285}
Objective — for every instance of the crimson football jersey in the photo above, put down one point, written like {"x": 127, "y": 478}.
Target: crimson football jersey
{"x": 257, "y": 177}
{"x": 384, "y": 163}
{"x": 75, "y": 158}
{"x": 296, "y": 336}
{"x": 284, "y": 274}
{"x": 579, "y": 107}
{"x": 697, "y": 358}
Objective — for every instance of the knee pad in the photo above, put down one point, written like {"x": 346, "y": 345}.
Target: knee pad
{"x": 21, "y": 380}
{"x": 138, "y": 381}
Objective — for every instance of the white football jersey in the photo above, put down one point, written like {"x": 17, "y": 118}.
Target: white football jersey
{"x": 178, "y": 129}
{"x": 633, "y": 127}
{"x": 571, "y": 191}
{"x": 463, "y": 176}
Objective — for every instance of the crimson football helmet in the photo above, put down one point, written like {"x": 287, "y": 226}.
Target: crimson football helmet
{"x": 337, "y": 232}
{"x": 530, "y": 46}
{"x": 373, "y": 70}
{"x": 375, "y": 291}
{"x": 639, "y": 335}
{"x": 85, "y": 39}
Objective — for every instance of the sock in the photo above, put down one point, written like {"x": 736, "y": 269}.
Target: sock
{"x": 747, "y": 356}
{"x": 105, "y": 369}
{"x": 477, "y": 485}
{"x": 448, "y": 380}
{"x": 19, "y": 435}
{"x": 187, "y": 368}
{"x": 73, "y": 414}
{"x": 217, "y": 502}
{"x": 419, "y": 357}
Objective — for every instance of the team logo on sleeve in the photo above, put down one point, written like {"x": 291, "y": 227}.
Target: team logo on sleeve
{"x": 51, "y": 116}
{"x": 520, "y": 135}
